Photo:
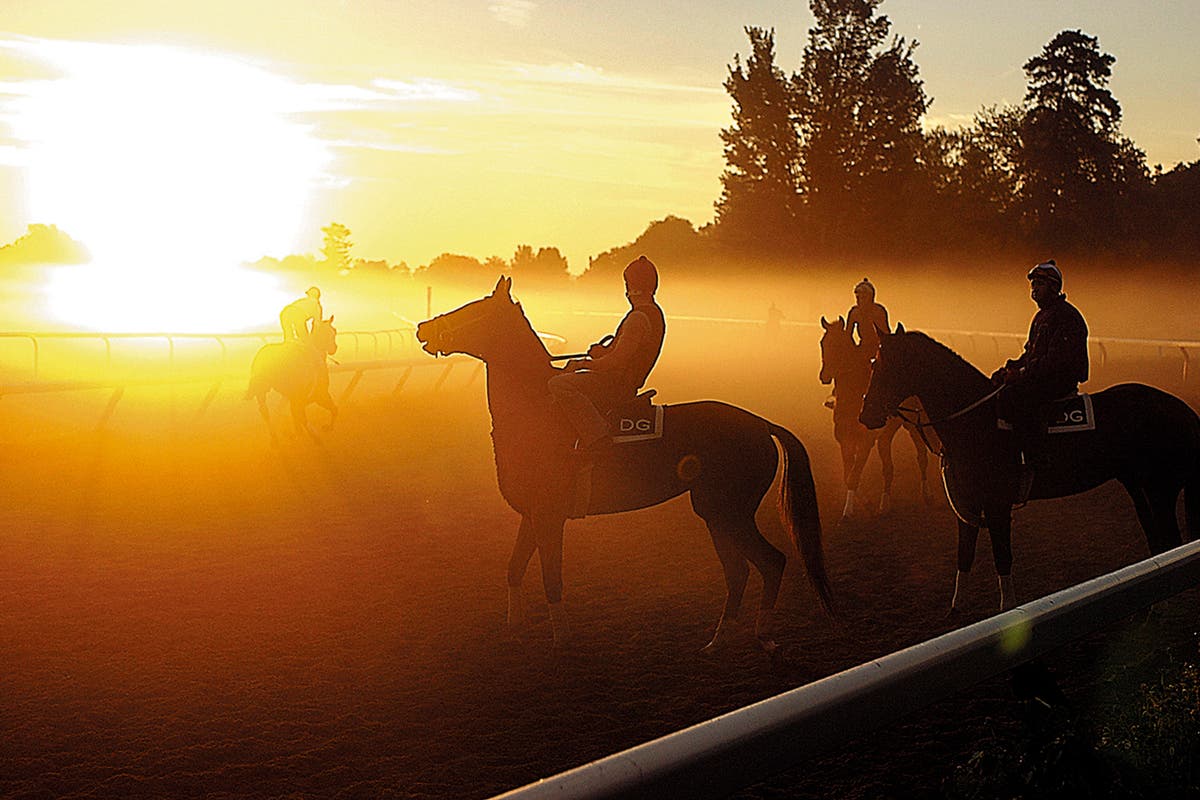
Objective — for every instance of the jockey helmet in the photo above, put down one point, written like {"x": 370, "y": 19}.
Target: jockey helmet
{"x": 313, "y": 292}
{"x": 865, "y": 287}
{"x": 641, "y": 276}
{"x": 1047, "y": 270}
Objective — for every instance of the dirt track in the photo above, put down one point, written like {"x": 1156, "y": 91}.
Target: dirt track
{"x": 186, "y": 612}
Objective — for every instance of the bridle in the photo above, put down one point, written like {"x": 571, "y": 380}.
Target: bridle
{"x": 444, "y": 331}
{"x": 916, "y": 422}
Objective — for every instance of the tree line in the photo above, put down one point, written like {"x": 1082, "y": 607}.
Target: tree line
{"x": 833, "y": 159}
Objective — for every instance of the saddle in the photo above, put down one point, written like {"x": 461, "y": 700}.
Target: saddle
{"x": 636, "y": 420}
{"x": 1070, "y": 414}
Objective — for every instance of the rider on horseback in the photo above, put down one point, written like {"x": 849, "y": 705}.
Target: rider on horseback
{"x": 1053, "y": 365}
{"x": 296, "y": 316}
{"x": 866, "y": 315}
{"x": 614, "y": 371}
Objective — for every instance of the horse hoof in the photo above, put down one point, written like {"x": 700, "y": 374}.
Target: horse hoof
{"x": 769, "y": 646}
{"x": 953, "y": 613}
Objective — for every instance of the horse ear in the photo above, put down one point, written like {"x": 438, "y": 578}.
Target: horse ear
{"x": 899, "y": 327}
{"x": 841, "y": 322}
{"x": 824, "y": 323}
{"x": 330, "y": 320}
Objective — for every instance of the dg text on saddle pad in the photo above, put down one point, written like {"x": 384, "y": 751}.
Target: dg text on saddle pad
{"x": 1067, "y": 415}
{"x": 636, "y": 422}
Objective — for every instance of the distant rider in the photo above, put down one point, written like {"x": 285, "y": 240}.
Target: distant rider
{"x": 614, "y": 371}
{"x": 296, "y": 316}
{"x": 1053, "y": 365}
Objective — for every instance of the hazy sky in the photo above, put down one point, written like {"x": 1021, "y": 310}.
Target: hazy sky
{"x": 240, "y": 127}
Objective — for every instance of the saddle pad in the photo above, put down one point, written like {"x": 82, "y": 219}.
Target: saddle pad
{"x": 1067, "y": 415}
{"x": 636, "y": 423}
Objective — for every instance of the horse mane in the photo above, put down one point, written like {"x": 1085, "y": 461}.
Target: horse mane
{"x": 539, "y": 345}
{"x": 932, "y": 349}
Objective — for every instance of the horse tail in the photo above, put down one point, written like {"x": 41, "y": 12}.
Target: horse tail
{"x": 798, "y": 509}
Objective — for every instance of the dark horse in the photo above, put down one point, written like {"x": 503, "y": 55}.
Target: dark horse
{"x": 723, "y": 456}
{"x": 1145, "y": 438}
{"x": 297, "y": 370}
{"x": 847, "y": 365}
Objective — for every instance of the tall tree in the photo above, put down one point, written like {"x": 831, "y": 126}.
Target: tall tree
{"x": 1074, "y": 164}
{"x": 859, "y": 105}
{"x": 336, "y": 246}
{"x": 758, "y": 198}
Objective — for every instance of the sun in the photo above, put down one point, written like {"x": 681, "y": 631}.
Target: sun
{"x": 173, "y": 167}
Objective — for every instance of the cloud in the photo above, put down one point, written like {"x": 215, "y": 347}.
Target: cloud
{"x": 513, "y": 12}
{"x": 577, "y": 74}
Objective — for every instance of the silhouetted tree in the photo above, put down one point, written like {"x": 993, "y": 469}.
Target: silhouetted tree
{"x": 463, "y": 270}
{"x": 1074, "y": 165}
{"x": 44, "y": 244}
{"x": 667, "y": 242}
{"x": 970, "y": 181}
{"x": 858, "y": 111}
{"x": 1173, "y": 213}
{"x": 546, "y": 266}
{"x": 758, "y": 198}
{"x": 337, "y": 245}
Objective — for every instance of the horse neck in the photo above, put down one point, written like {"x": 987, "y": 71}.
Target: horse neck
{"x": 946, "y": 384}
{"x": 516, "y": 381}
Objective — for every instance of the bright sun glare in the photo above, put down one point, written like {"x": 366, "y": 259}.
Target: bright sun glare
{"x": 172, "y": 167}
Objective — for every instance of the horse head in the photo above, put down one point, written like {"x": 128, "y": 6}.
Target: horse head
{"x": 324, "y": 337}
{"x": 839, "y": 352}
{"x": 889, "y": 384}
{"x": 472, "y": 329}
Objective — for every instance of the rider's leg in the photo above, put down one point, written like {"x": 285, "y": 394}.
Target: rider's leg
{"x": 569, "y": 391}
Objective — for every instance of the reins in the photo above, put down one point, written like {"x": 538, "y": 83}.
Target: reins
{"x": 921, "y": 426}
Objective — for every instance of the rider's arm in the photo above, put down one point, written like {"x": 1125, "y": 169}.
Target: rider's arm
{"x": 619, "y": 354}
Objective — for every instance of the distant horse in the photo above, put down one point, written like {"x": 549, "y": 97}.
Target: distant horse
{"x": 297, "y": 370}
{"x": 1143, "y": 437}
{"x": 723, "y": 456}
{"x": 847, "y": 365}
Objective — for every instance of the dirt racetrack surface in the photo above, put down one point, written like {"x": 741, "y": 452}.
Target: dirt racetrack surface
{"x": 187, "y": 612}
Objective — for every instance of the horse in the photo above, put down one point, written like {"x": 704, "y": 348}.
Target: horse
{"x": 724, "y": 457}
{"x": 1143, "y": 437}
{"x": 297, "y": 370}
{"x": 847, "y": 365}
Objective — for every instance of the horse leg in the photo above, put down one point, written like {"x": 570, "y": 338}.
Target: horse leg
{"x": 518, "y": 562}
{"x": 849, "y": 475}
{"x": 884, "y": 445}
{"x": 548, "y": 532}
{"x": 968, "y": 537}
{"x": 736, "y": 570}
{"x": 859, "y": 453}
{"x": 770, "y": 563}
{"x": 300, "y": 418}
{"x": 266, "y": 415}
{"x": 922, "y": 465}
{"x": 325, "y": 401}
{"x": 999, "y": 525}
{"x": 1145, "y": 512}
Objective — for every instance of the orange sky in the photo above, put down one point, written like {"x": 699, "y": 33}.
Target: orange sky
{"x": 226, "y": 130}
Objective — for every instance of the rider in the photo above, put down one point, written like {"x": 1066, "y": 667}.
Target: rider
{"x": 295, "y": 316}
{"x": 617, "y": 370}
{"x": 866, "y": 315}
{"x": 1053, "y": 365}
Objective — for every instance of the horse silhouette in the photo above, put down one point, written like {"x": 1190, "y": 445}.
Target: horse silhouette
{"x": 1145, "y": 438}
{"x": 724, "y": 457}
{"x": 847, "y": 365}
{"x": 297, "y": 370}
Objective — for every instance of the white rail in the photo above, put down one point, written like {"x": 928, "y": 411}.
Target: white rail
{"x": 716, "y": 758}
